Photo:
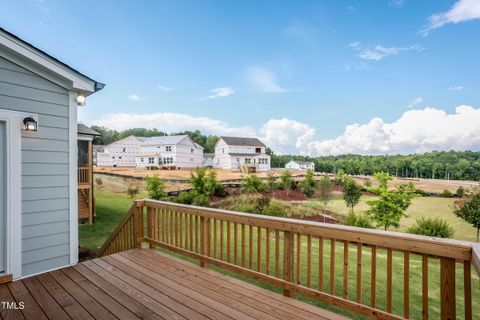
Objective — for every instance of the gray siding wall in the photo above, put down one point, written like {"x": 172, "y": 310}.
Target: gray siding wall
{"x": 45, "y": 179}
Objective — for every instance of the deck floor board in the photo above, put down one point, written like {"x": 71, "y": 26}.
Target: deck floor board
{"x": 147, "y": 284}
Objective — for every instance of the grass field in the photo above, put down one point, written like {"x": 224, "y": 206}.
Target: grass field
{"x": 421, "y": 207}
{"x": 112, "y": 206}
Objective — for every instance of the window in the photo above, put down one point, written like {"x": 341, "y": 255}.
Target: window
{"x": 167, "y": 160}
{"x": 258, "y": 150}
{"x": 124, "y": 149}
{"x": 151, "y": 160}
{"x": 238, "y": 159}
{"x": 168, "y": 148}
{"x": 192, "y": 150}
{"x": 248, "y": 160}
{"x": 223, "y": 150}
{"x": 263, "y": 161}
{"x": 119, "y": 157}
{"x": 141, "y": 159}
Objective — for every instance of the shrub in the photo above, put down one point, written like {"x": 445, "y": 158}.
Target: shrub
{"x": 132, "y": 191}
{"x": 308, "y": 184}
{"x": 421, "y": 192}
{"x": 252, "y": 184}
{"x": 446, "y": 194}
{"x": 340, "y": 177}
{"x": 198, "y": 180}
{"x": 245, "y": 207}
{"x": 286, "y": 181}
{"x": 271, "y": 181}
{"x": 98, "y": 181}
{"x": 212, "y": 186}
{"x": 432, "y": 227}
{"x": 156, "y": 188}
{"x": 260, "y": 203}
{"x": 367, "y": 183}
{"x": 460, "y": 192}
{"x": 361, "y": 220}
{"x": 201, "y": 200}
{"x": 185, "y": 197}
{"x": 275, "y": 209}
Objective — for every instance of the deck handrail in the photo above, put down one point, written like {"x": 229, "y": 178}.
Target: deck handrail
{"x": 219, "y": 237}
{"x": 122, "y": 237}
{"x": 84, "y": 175}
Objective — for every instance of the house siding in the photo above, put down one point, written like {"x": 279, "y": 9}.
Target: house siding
{"x": 45, "y": 167}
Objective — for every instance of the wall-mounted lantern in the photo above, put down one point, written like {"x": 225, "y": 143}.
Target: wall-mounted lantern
{"x": 30, "y": 124}
{"x": 81, "y": 100}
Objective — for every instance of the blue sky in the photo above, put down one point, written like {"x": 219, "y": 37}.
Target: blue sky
{"x": 310, "y": 77}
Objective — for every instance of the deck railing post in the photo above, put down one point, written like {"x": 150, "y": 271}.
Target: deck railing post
{"x": 447, "y": 289}
{"x": 204, "y": 239}
{"x": 288, "y": 255}
{"x": 138, "y": 221}
{"x": 150, "y": 224}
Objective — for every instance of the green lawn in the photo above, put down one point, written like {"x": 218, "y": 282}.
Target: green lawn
{"x": 111, "y": 207}
{"x": 421, "y": 207}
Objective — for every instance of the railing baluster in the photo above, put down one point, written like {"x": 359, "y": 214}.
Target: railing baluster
{"x": 288, "y": 257}
{"x": 424, "y": 287}
{"x": 235, "y": 243}
{"x": 467, "y": 287}
{"x": 389, "y": 280}
{"x": 406, "y": 285}
{"x": 309, "y": 261}
{"x": 228, "y": 242}
{"x": 277, "y": 253}
{"x": 373, "y": 282}
{"x": 359, "y": 272}
{"x": 267, "y": 250}
{"x": 332, "y": 266}
{"x": 191, "y": 226}
{"x": 197, "y": 248}
{"x": 243, "y": 245}
{"x": 299, "y": 258}
{"x": 180, "y": 235}
{"x": 447, "y": 288}
{"x": 345, "y": 269}
{"x": 250, "y": 246}
{"x": 215, "y": 238}
{"x": 259, "y": 249}
{"x": 221, "y": 240}
{"x": 320, "y": 263}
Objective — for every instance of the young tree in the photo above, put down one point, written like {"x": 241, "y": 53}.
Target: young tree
{"x": 253, "y": 184}
{"x": 198, "y": 181}
{"x": 383, "y": 178}
{"x": 351, "y": 193}
{"x": 389, "y": 209}
{"x": 325, "y": 188}
{"x": 308, "y": 183}
{"x": 156, "y": 188}
{"x": 469, "y": 210}
{"x": 271, "y": 181}
{"x": 132, "y": 191}
{"x": 287, "y": 182}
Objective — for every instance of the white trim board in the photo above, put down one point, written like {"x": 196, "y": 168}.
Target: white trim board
{"x": 14, "y": 124}
{"x": 73, "y": 178}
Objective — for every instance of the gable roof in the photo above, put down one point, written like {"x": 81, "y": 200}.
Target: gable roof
{"x": 38, "y": 57}
{"x": 83, "y": 129}
{"x": 240, "y": 141}
{"x": 161, "y": 140}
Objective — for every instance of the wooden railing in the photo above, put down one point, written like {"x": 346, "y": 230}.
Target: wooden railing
{"x": 385, "y": 275}
{"x": 84, "y": 174}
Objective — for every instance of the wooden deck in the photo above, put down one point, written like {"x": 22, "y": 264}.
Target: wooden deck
{"x": 147, "y": 284}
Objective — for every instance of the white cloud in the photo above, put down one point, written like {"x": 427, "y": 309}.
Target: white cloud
{"x": 286, "y": 135}
{"x": 264, "y": 79}
{"x": 456, "y": 88}
{"x": 219, "y": 93}
{"x": 134, "y": 97}
{"x": 462, "y": 10}
{"x": 415, "y": 131}
{"x": 165, "y": 89}
{"x": 171, "y": 122}
{"x": 416, "y": 102}
{"x": 378, "y": 52}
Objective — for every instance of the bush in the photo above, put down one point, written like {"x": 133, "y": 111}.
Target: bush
{"x": 275, "y": 209}
{"x": 185, "y": 197}
{"x": 260, "y": 203}
{"x": 308, "y": 184}
{"x": 98, "y": 181}
{"x": 245, "y": 207}
{"x": 156, "y": 188}
{"x": 432, "y": 227}
{"x": 446, "y": 194}
{"x": 271, "y": 181}
{"x": 360, "y": 220}
{"x": 421, "y": 192}
{"x": 253, "y": 184}
{"x": 286, "y": 181}
{"x": 460, "y": 192}
{"x": 367, "y": 183}
{"x": 201, "y": 200}
{"x": 132, "y": 191}
{"x": 213, "y": 187}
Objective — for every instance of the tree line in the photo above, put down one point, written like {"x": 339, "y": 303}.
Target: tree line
{"x": 454, "y": 165}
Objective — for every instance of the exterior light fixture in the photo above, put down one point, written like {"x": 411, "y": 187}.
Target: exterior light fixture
{"x": 81, "y": 100}
{"x": 30, "y": 124}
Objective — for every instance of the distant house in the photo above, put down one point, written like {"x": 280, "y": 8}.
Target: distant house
{"x": 169, "y": 152}
{"x": 241, "y": 154}
{"x": 120, "y": 153}
{"x": 208, "y": 160}
{"x": 300, "y": 165}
